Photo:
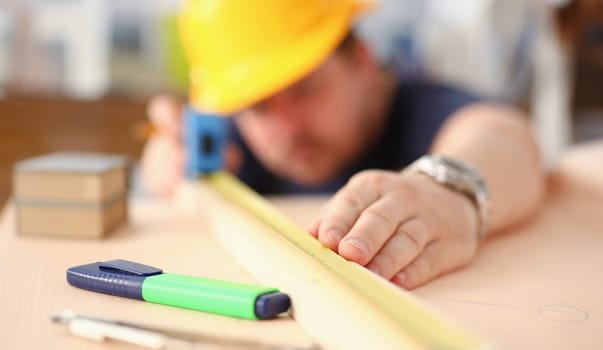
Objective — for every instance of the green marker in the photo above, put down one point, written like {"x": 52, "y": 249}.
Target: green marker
{"x": 132, "y": 280}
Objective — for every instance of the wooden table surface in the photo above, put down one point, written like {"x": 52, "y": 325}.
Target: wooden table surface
{"x": 33, "y": 287}
{"x": 539, "y": 286}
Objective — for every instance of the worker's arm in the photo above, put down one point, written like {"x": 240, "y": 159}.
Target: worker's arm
{"x": 499, "y": 142}
{"x": 410, "y": 229}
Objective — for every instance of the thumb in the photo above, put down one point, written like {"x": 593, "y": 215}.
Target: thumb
{"x": 233, "y": 157}
{"x": 164, "y": 111}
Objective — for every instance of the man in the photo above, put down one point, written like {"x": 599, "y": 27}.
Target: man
{"x": 314, "y": 113}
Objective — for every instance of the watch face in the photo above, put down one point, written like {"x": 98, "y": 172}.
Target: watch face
{"x": 458, "y": 175}
{"x": 451, "y": 164}
{"x": 461, "y": 177}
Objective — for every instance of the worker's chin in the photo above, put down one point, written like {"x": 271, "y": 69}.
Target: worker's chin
{"x": 308, "y": 174}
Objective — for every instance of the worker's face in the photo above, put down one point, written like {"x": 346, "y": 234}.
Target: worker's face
{"x": 313, "y": 129}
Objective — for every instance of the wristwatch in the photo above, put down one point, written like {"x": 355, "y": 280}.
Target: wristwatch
{"x": 460, "y": 176}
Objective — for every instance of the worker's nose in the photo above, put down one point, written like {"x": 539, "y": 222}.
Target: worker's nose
{"x": 288, "y": 118}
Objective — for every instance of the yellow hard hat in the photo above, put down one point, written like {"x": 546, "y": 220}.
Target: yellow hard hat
{"x": 242, "y": 51}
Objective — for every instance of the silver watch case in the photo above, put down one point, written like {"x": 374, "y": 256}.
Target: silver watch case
{"x": 462, "y": 177}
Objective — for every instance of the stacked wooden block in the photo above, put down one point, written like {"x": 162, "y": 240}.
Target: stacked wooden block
{"x": 70, "y": 194}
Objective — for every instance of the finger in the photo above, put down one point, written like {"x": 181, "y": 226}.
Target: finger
{"x": 428, "y": 265}
{"x": 314, "y": 228}
{"x": 162, "y": 166}
{"x": 318, "y": 221}
{"x": 375, "y": 225}
{"x": 342, "y": 212}
{"x": 164, "y": 112}
{"x": 233, "y": 158}
{"x": 437, "y": 258}
{"x": 401, "y": 249}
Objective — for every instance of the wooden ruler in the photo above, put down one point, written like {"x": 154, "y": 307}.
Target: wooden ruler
{"x": 339, "y": 302}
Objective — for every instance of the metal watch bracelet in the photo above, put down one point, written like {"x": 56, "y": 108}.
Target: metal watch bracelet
{"x": 460, "y": 176}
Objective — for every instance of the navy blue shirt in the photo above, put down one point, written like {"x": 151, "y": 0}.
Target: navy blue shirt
{"x": 415, "y": 116}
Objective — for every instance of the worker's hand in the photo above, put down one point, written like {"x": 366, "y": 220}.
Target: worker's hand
{"x": 164, "y": 156}
{"x": 402, "y": 226}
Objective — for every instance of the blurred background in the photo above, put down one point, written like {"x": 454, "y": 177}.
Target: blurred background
{"x": 77, "y": 74}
